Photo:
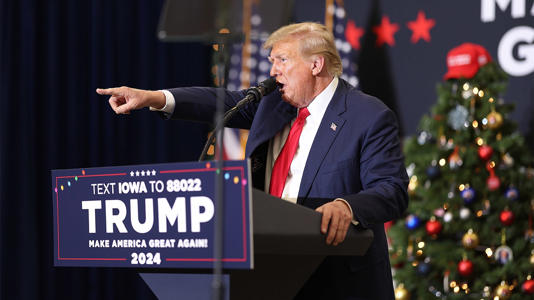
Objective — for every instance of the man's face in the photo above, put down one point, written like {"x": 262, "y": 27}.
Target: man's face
{"x": 293, "y": 73}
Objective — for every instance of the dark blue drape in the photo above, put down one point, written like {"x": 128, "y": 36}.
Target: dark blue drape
{"x": 53, "y": 54}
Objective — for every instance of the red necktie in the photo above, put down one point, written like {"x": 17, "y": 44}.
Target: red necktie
{"x": 282, "y": 163}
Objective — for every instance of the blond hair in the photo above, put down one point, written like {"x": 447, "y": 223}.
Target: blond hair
{"x": 314, "y": 39}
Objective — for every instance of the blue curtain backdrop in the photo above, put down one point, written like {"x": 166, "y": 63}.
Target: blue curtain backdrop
{"x": 53, "y": 56}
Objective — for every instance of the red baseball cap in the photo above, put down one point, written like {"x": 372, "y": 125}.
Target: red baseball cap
{"x": 465, "y": 60}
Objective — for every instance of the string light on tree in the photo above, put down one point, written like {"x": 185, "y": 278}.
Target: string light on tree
{"x": 447, "y": 217}
{"x": 467, "y": 93}
{"x": 465, "y": 213}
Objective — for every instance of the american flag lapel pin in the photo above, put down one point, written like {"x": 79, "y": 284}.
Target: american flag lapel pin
{"x": 333, "y": 126}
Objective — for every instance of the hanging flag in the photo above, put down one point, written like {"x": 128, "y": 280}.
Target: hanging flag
{"x": 249, "y": 64}
{"x": 346, "y": 36}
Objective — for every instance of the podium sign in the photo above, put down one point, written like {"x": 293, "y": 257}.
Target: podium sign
{"x": 150, "y": 216}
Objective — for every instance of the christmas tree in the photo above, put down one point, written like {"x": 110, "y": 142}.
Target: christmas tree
{"x": 468, "y": 228}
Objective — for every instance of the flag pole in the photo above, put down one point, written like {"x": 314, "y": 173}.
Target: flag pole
{"x": 329, "y": 14}
{"x": 245, "y": 52}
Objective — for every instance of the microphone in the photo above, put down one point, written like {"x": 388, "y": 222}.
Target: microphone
{"x": 253, "y": 94}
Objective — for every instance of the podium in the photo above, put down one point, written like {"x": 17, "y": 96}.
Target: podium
{"x": 288, "y": 247}
{"x": 158, "y": 219}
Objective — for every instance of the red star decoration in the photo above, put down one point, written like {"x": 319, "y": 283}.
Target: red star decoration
{"x": 353, "y": 34}
{"x": 385, "y": 32}
{"x": 421, "y": 27}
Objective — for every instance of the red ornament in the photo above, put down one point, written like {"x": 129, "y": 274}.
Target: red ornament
{"x": 507, "y": 217}
{"x": 465, "y": 267}
{"x": 528, "y": 286}
{"x": 433, "y": 227}
{"x": 485, "y": 152}
{"x": 493, "y": 182}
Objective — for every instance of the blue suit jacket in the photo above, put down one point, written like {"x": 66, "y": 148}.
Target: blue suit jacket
{"x": 356, "y": 155}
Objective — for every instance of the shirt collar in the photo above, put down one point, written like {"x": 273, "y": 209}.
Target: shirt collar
{"x": 318, "y": 105}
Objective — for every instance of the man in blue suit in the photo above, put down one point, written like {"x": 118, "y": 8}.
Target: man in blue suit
{"x": 340, "y": 156}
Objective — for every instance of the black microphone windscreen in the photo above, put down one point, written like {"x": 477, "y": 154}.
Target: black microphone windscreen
{"x": 269, "y": 85}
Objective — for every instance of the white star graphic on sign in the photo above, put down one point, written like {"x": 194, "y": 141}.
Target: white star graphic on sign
{"x": 132, "y": 173}
{"x": 136, "y": 173}
{"x": 142, "y": 173}
{"x": 147, "y": 172}
{"x": 153, "y": 172}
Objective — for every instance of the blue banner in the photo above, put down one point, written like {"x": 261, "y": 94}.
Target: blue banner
{"x": 155, "y": 216}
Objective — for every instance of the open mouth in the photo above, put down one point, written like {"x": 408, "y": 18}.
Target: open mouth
{"x": 280, "y": 86}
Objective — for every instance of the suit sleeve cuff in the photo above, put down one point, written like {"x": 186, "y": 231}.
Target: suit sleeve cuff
{"x": 354, "y": 222}
{"x": 170, "y": 104}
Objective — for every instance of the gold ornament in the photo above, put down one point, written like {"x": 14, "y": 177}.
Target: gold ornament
{"x": 401, "y": 293}
{"x": 494, "y": 120}
{"x": 532, "y": 257}
{"x": 503, "y": 291}
{"x": 412, "y": 186}
{"x": 470, "y": 239}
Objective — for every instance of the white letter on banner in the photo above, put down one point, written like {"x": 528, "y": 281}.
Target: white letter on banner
{"x": 521, "y": 37}
{"x": 149, "y": 215}
{"x": 117, "y": 219}
{"x": 176, "y": 213}
{"x": 487, "y": 11}
{"x": 91, "y": 207}
{"x": 196, "y": 216}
